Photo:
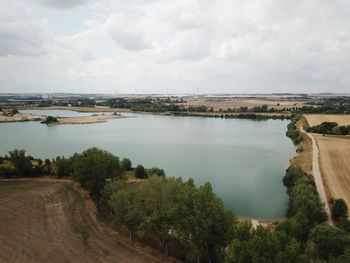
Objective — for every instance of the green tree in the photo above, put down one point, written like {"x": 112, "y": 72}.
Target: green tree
{"x": 339, "y": 209}
{"x": 63, "y": 167}
{"x": 140, "y": 172}
{"x": 126, "y": 164}
{"x": 201, "y": 222}
{"x": 93, "y": 167}
{"x": 128, "y": 208}
{"x": 156, "y": 171}
{"x": 159, "y": 195}
{"x": 330, "y": 241}
{"x": 22, "y": 163}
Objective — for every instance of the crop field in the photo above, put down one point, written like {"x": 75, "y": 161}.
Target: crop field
{"x": 316, "y": 119}
{"x": 335, "y": 165}
{"x": 48, "y": 222}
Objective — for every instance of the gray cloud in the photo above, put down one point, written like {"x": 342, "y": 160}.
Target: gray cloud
{"x": 61, "y": 4}
{"x": 23, "y": 38}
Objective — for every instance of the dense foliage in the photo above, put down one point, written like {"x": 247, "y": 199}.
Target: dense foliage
{"x": 293, "y": 133}
{"x": 330, "y": 128}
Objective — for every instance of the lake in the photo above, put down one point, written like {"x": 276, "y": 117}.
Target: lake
{"x": 244, "y": 160}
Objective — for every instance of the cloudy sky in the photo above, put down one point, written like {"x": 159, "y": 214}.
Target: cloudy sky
{"x": 174, "y": 46}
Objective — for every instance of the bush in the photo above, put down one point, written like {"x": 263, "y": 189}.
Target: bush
{"x": 126, "y": 164}
{"x": 339, "y": 209}
{"x": 140, "y": 172}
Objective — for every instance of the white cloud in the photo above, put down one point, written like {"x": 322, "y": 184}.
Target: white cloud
{"x": 179, "y": 45}
{"x": 127, "y": 32}
{"x": 23, "y": 38}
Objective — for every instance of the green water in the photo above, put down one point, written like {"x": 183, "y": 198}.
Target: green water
{"x": 244, "y": 160}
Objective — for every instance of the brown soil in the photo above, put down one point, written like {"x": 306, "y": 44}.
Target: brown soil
{"x": 47, "y": 221}
{"x": 335, "y": 165}
{"x": 316, "y": 119}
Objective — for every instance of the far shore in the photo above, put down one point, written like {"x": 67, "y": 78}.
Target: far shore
{"x": 96, "y": 118}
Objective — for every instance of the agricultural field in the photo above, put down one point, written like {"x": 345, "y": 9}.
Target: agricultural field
{"x": 335, "y": 165}
{"x": 45, "y": 221}
{"x": 316, "y": 119}
{"x": 244, "y": 102}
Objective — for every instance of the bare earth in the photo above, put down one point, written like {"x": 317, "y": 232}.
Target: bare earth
{"x": 316, "y": 119}
{"x": 20, "y": 117}
{"x": 244, "y": 102}
{"x": 88, "y": 119}
{"x": 79, "y": 109}
{"x": 45, "y": 221}
{"x": 335, "y": 165}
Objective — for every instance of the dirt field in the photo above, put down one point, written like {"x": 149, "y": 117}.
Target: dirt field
{"x": 44, "y": 221}
{"x": 335, "y": 165}
{"x": 244, "y": 102}
{"x": 316, "y": 119}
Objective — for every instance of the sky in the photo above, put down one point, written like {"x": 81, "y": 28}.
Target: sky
{"x": 175, "y": 46}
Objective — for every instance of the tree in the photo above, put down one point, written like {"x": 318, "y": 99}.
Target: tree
{"x": 339, "y": 209}
{"x": 128, "y": 208}
{"x": 159, "y": 195}
{"x": 201, "y": 223}
{"x": 22, "y": 163}
{"x": 140, "y": 172}
{"x": 63, "y": 167}
{"x": 126, "y": 164}
{"x": 93, "y": 167}
{"x": 330, "y": 241}
{"x": 156, "y": 171}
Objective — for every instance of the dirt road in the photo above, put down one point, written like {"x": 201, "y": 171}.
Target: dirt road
{"x": 317, "y": 176}
{"x": 48, "y": 222}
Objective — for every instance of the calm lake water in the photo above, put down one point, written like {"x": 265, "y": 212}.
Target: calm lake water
{"x": 244, "y": 160}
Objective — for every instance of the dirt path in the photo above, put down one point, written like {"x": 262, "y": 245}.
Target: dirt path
{"x": 42, "y": 221}
{"x": 317, "y": 176}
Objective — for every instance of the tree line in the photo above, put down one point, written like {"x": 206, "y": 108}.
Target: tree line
{"x": 330, "y": 128}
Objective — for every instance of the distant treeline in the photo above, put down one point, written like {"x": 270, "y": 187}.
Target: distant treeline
{"x": 190, "y": 222}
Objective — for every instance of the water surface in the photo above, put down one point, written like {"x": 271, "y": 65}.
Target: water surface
{"x": 244, "y": 160}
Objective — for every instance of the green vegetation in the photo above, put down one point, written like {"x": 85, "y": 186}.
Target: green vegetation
{"x": 189, "y": 222}
{"x": 293, "y": 133}
{"x": 50, "y": 120}
{"x": 330, "y": 128}
{"x": 339, "y": 210}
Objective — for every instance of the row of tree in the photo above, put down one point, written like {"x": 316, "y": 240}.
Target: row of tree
{"x": 330, "y": 128}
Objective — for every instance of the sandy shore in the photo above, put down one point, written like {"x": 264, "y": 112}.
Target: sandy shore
{"x": 88, "y": 119}
{"x": 78, "y": 109}
{"x": 19, "y": 117}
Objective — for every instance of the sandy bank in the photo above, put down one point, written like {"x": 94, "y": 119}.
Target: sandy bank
{"x": 19, "y": 117}
{"x": 88, "y": 119}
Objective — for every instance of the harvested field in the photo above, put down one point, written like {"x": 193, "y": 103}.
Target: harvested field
{"x": 335, "y": 165}
{"x": 243, "y": 102}
{"x": 316, "y": 119}
{"x": 47, "y": 221}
